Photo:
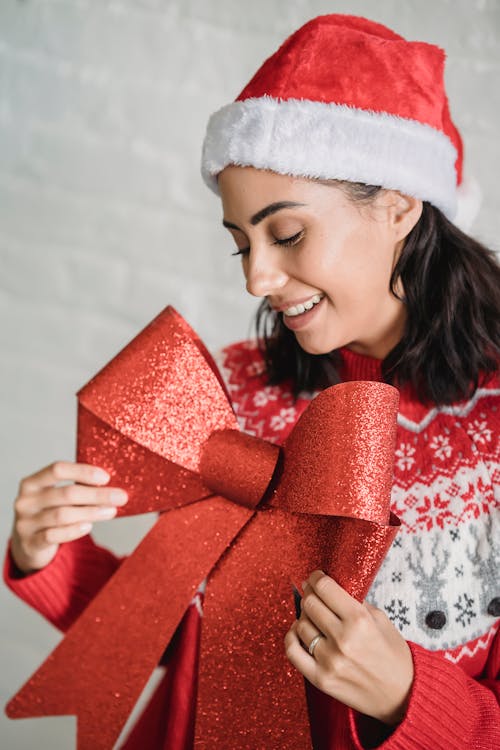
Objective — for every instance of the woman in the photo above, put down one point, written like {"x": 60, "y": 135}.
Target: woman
{"x": 339, "y": 169}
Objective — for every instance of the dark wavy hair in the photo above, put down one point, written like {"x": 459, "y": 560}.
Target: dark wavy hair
{"x": 451, "y": 341}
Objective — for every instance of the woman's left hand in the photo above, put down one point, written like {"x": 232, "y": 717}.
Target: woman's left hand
{"x": 362, "y": 659}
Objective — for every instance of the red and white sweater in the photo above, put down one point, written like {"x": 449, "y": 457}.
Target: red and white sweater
{"x": 437, "y": 583}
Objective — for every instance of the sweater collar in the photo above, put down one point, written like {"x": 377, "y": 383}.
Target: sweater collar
{"x": 359, "y": 366}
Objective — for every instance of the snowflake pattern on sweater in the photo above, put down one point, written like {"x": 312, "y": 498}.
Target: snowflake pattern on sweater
{"x": 438, "y": 583}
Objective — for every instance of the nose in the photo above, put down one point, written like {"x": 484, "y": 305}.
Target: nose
{"x": 264, "y": 274}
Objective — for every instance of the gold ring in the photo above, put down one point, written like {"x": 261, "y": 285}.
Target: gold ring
{"x": 313, "y": 643}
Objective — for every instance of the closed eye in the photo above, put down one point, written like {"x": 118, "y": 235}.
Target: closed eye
{"x": 289, "y": 240}
{"x": 286, "y": 242}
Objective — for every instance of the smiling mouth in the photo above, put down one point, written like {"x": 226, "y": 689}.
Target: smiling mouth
{"x": 296, "y": 310}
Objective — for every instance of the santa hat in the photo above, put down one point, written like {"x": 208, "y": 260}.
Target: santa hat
{"x": 347, "y": 98}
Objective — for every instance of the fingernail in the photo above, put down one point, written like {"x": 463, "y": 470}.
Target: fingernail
{"x": 85, "y": 527}
{"x": 100, "y": 475}
{"x": 304, "y": 585}
{"x": 106, "y": 512}
{"x": 119, "y": 497}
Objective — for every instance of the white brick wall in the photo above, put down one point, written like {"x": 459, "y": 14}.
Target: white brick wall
{"x": 104, "y": 219}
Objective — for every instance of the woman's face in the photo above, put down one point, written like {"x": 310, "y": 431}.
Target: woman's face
{"x": 320, "y": 259}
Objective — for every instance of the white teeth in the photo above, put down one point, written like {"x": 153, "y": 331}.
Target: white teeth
{"x": 302, "y": 307}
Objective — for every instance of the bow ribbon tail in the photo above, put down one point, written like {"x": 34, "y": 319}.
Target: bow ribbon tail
{"x": 360, "y": 546}
{"x": 107, "y": 656}
{"x": 248, "y": 609}
{"x": 249, "y": 695}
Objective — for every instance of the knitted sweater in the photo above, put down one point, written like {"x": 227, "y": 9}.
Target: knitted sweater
{"x": 437, "y": 583}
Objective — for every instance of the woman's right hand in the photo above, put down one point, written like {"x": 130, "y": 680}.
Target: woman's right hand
{"x": 46, "y": 515}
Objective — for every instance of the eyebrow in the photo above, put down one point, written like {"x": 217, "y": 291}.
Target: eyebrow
{"x": 264, "y": 213}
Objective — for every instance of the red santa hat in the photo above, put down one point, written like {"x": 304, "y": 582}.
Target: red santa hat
{"x": 347, "y": 98}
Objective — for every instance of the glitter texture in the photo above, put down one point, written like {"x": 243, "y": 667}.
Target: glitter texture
{"x": 352, "y": 454}
{"x": 238, "y": 466}
{"x": 157, "y": 417}
{"x": 161, "y": 392}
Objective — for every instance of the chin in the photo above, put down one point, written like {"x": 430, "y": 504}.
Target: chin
{"x": 317, "y": 347}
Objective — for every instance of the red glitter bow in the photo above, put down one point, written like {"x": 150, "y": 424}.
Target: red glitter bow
{"x": 250, "y": 516}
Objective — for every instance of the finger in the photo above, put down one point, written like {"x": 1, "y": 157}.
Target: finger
{"x": 319, "y": 614}
{"x": 306, "y": 630}
{"x": 27, "y": 528}
{"x": 64, "y": 471}
{"x": 333, "y": 595}
{"x": 61, "y": 534}
{"x": 72, "y": 494}
{"x": 70, "y": 515}
{"x": 371, "y": 609}
{"x": 299, "y": 657}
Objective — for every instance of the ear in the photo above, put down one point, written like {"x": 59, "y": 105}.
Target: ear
{"x": 403, "y": 212}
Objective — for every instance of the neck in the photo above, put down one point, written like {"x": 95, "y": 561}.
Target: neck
{"x": 389, "y": 330}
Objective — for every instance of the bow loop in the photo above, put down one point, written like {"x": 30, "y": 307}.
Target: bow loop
{"x": 338, "y": 459}
{"x": 162, "y": 391}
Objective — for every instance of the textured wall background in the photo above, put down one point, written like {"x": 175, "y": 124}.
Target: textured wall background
{"x": 104, "y": 219}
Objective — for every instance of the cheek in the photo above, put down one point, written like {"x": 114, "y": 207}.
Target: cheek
{"x": 355, "y": 267}
{"x": 244, "y": 265}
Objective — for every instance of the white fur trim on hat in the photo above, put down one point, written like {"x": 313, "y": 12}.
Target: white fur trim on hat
{"x": 469, "y": 202}
{"x": 333, "y": 141}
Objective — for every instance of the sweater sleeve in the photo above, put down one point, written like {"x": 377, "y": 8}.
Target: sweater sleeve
{"x": 61, "y": 591}
{"x": 447, "y": 710}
